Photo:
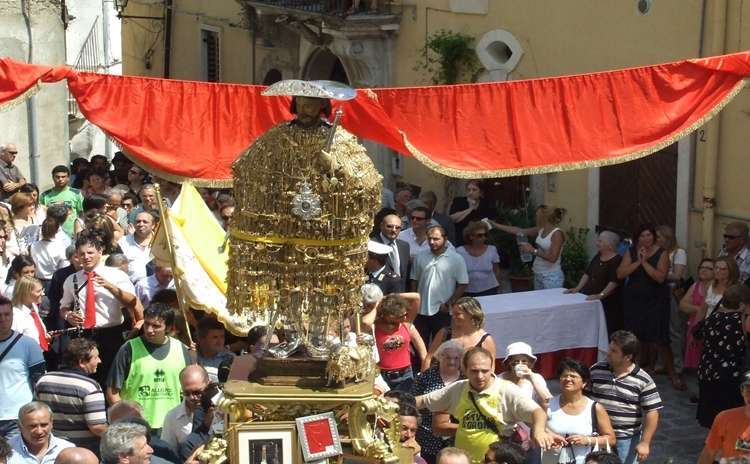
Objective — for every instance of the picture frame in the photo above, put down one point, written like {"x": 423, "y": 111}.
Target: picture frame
{"x": 318, "y": 437}
{"x": 265, "y": 443}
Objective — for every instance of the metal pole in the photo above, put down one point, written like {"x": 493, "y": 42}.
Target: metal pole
{"x": 164, "y": 215}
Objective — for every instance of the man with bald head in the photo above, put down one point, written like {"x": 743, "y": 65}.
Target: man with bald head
{"x": 179, "y": 421}
{"x": 736, "y": 246}
{"x": 76, "y": 455}
{"x": 11, "y": 178}
{"x": 398, "y": 259}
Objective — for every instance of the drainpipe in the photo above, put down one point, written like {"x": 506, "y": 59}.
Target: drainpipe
{"x": 167, "y": 37}
{"x": 31, "y": 103}
{"x": 715, "y": 43}
{"x": 107, "y": 62}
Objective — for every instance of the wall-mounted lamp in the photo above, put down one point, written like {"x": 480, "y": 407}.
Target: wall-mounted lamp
{"x": 120, "y": 6}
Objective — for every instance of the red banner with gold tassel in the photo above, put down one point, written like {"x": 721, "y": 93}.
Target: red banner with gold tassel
{"x": 195, "y": 130}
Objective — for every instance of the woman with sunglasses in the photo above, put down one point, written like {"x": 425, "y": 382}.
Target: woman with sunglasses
{"x": 482, "y": 261}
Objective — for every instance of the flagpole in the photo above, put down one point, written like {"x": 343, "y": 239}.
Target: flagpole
{"x": 164, "y": 222}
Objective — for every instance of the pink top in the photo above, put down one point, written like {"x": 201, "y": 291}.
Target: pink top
{"x": 393, "y": 348}
{"x": 697, "y": 297}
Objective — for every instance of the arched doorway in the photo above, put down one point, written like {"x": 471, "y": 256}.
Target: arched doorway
{"x": 323, "y": 64}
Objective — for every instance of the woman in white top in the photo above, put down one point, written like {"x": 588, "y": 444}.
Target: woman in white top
{"x": 549, "y": 241}
{"x": 27, "y": 296}
{"x": 726, "y": 274}
{"x": 40, "y": 211}
{"x": 677, "y": 321}
{"x": 518, "y": 366}
{"x": 570, "y": 415}
{"x": 482, "y": 261}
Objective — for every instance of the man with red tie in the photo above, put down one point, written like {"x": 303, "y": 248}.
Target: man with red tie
{"x": 94, "y": 298}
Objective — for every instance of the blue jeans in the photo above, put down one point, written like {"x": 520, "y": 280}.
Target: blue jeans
{"x": 401, "y": 382}
{"x": 553, "y": 279}
{"x": 626, "y": 448}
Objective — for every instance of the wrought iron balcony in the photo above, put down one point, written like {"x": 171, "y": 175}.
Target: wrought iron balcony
{"x": 340, "y": 8}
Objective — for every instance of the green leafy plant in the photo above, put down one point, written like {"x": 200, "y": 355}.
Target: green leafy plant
{"x": 522, "y": 217}
{"x": 449, "y": 57}
{"x": 574, "y": 256}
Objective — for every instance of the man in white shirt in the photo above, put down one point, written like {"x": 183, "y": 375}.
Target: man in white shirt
{"x": 94, "y": 298}
{"x": 178, "y": 423}
{"x": 416, "y": 235}
{"x": 137, "y": 246}
{"x": 161, "y": 279}
{"x": 440, "y": 277}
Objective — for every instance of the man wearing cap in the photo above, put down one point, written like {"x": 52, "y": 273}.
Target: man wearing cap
{"x": 377, "y": 270}
{"x": 487, "y": 407}
{"x": 729, "y": 436}
{"x": 11, "y": 178}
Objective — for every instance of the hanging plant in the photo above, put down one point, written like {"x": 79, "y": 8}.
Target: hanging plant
{"x": 449, "y": 58}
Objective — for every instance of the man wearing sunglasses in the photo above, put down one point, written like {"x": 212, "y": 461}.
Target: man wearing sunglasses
{"x": 11, "y": 178}
{"x": 178, "y": 423}
{"x": 736, "y": 246}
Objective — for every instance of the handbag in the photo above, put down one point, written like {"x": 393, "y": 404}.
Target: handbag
{"x": 521, "y": 434}
{"x": 595, "y": 430}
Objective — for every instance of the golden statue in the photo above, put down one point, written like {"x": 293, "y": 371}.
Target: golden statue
{"x": 306, "y": 192}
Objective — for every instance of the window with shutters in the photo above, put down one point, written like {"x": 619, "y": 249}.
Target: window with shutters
{"x": 210, "y": 54}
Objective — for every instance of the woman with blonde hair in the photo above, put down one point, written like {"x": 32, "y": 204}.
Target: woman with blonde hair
{"x": 467, "y": 328}
{"x": 22, "y": 208}
{"x": 27, "y": 296}
{"x": 547, "y": 248}
{"x": 482, "y": 261}
{"x": 726, "y": 274}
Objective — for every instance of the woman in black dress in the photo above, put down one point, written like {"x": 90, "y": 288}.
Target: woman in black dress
{"x": 600, "y": 280}
{"x": 721, "y": 364}
{"x": 646, "y": 298}
{"x": 468, "y": 209}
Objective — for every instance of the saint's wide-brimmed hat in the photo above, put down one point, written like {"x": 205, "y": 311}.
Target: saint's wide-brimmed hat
{"x": 331, "y": 90}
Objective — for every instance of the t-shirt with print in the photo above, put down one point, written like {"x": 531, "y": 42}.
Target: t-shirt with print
{"x": 730, "y": 433}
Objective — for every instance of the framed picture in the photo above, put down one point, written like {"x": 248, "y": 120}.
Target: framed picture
{"x": 318, "y": 437}
{"x": 266, "y": 443}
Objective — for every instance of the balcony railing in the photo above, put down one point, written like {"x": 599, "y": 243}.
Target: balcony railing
{"x": 329, "y": 7}
{"x": 89, "y": 59}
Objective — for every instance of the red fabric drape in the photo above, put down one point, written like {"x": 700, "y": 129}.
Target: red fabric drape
{"x": 195, "y": 130}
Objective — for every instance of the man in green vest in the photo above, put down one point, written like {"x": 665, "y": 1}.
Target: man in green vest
{"x": 487, "y": 407}
{"x": 63, "y": 193}
{"x": 147, "y": 369}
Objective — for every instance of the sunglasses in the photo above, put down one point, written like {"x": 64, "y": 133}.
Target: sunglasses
{"x": 482, "y": 235}
{"x": 192, "y": 392}
{"x": 12, "y": 152}
{"x": 731, "y": 237}
{"x": 418, "y": 218}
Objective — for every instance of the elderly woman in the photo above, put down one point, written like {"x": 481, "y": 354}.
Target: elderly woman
{"x": 470, "y": 208}
{"x": 600, "y": 280}
{"x": 467, "y": 321}
{"x": 445, "y": 372}
{"x": 571, "y": 415}
{"x": 646, "y": 298}
{"x": 547, "y": 248}
{"x": 482, "y": 261}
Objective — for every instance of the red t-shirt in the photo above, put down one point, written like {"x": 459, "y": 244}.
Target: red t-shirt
{"x": 393, "y": 348}
{"x": 730, "y": 433}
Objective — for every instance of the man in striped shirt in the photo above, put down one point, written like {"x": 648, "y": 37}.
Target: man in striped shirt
{"x": 76, "y": 400}
{"x": 629, "y": 395}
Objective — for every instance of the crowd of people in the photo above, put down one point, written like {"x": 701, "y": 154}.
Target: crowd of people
{"x": 93, "y": 344}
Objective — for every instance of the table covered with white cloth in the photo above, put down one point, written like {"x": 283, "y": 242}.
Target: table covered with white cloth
{"x": 555, "y": 324}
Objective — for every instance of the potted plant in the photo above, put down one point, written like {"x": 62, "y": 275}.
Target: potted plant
{"x": 521, "y": 276}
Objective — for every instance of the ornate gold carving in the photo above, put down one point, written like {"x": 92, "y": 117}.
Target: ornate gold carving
{"x": 215, "y": 451}
{"x": 350, "y": 363}
{"x": 361, "y": 419}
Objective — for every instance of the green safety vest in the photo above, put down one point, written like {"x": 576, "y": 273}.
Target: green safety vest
{"x": 154, "y": 384}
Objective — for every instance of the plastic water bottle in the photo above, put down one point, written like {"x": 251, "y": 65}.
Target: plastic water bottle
{"x": 526, "y": 257}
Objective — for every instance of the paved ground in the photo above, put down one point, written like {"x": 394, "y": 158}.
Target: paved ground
{"x": 679, "y": 436}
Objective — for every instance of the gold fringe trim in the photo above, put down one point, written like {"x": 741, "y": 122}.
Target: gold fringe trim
{"x": 209, "y": 183}
{"x": 276, "y": 240}
{"x": 463, "y": 174}
{"x": 10, "y": 104}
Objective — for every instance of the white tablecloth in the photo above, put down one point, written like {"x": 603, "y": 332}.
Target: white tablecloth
{"x": 548, "y": 320}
